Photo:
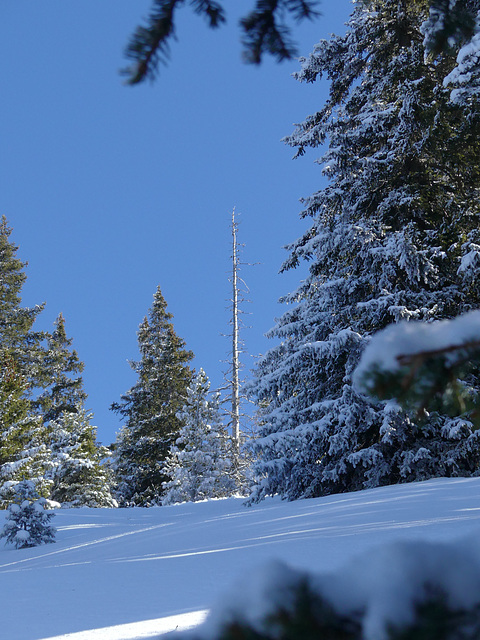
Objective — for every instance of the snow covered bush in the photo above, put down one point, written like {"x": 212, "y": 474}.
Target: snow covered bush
{"x": 403, "y": 591}
{"x": 28, "y": 523}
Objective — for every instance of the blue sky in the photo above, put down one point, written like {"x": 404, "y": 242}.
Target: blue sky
{"x": 112, "y": 190}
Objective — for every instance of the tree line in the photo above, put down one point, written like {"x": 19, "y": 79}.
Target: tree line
{"x": 172, "y": 447}
{"x": 46, "y": 435}
{"x": 394, "y": 236}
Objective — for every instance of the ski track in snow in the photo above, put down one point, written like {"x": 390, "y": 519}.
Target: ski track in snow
{"x": 79, "y": 546}
{"x": 159, "y": 568}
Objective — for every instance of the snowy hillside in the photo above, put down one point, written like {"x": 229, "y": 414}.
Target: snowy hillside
{"x": 134, "y": 573}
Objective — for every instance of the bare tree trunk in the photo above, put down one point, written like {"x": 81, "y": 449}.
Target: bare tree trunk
{"x": 235, "y": 340}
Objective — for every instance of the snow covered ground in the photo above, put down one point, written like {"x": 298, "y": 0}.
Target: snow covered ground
{"x": 118, "y": 574}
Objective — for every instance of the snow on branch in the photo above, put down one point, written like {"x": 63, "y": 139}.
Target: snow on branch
{"x": 424, "y": 365}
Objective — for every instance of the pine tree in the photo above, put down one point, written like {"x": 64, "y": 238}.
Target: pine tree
{"x": 22, "y": 449}
{"x": 27, "y": 522}
{"x": 391, "y": 237}
{"x": 78, "y": 475}
{"x": 150, "y": 408}
{"x": 63, "y": 386}
{"x": 17, "y": 337}
{"x": 200, "y": 463}
{"x": 41, "y": 399}
{"x": 23, "y": 452}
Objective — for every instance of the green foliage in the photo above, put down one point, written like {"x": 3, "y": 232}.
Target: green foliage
{"x": 61, "y": 392}
{"x": 23, "y": 453}
{"x": 433, "y": 381}
{"x": 311, "y": 617}
{"x": 16, "y": 322}
{"x": 150, "y": 407}
{"x": 263, "y": 32}
{"x": 80, "y": 477}
{"x": 450, "y": 24}
{"x": 436, "y": 620}
{"x": 27, "y": 522}
{"x": 43, "y": 427}
{"x": 77, "y": 473}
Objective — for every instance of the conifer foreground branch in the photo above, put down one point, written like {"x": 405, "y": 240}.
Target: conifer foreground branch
{"x": 265, "y": 31}
{"x": 433, "y": 378}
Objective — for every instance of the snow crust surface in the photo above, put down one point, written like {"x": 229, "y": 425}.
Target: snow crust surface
{"x": 126, "y": 573}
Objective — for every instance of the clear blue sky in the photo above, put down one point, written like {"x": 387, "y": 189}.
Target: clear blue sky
{"x": 112, "y": 190}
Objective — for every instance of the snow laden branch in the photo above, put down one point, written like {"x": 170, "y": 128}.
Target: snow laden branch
{"x": 425, "y": 366}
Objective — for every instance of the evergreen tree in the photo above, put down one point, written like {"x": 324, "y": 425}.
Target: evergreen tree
{"x": 78, "y": 475}
{"x": 17, "y": 337}
{"x": 200, "y": 464}
{"x": 150, "y": 408}
{"x": 42, "y": 401}
{"x": 391, "y": 238}
{"x": 61, "y": 391}
{"x": 27, "y": 522}
{"x": 23, "y": 452}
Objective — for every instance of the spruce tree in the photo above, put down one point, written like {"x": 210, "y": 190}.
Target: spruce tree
{"x": 77, "y": 472}
{"x": 200, "y": 464}
{"x": 80, "y": 477}
{"x": 63, "y": 386}
{"x": 390, "y": 240}
{"x": 23, "y": 452}
{"x": 17, "y": 336}
{"x": 150, "y": 408}
{"x": 27, "y": 522}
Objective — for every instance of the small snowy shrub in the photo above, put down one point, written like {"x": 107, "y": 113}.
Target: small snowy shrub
{"x": 28, "y": 523}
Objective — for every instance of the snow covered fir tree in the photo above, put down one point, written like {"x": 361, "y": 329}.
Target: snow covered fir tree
{"x": 45, "y": 434}
{"x": 395, "y": 235}
{"x": 150, "y": 408}
{"x": 77, "y": 471}
{"x": 79, "y": 475}
{"x": 23, "y": 452}
{"x": 27, "y": 521}
{"x": 200, "y": 464}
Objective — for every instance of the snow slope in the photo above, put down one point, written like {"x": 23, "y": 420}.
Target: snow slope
{"x": 135, "y": 573}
